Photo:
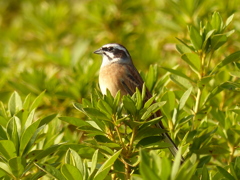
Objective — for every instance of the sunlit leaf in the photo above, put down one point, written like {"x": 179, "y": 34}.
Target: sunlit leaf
{"x": 196, "y": 38}
{"x": 51, "y": 170}
{"x": 14, "y": 103}
{"x": 104, "y": 169}
{"x": 7, "y": 149}
{"x": 70, "y": 172}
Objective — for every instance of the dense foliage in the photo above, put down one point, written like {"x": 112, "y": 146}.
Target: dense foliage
{"x": 55, "y": 123}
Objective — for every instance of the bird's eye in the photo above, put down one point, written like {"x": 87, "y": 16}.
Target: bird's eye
{"x": 110, "y": 49}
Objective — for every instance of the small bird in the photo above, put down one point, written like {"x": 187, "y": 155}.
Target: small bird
{"x": 117, "y": 72}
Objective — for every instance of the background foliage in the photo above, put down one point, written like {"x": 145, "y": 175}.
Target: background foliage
{"x": 46, "y": 58}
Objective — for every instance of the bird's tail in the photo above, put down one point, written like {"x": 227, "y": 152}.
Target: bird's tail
{"x": 173, "y": 148}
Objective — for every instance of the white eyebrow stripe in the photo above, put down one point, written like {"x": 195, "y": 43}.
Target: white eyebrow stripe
{"x": 115, "y": 46}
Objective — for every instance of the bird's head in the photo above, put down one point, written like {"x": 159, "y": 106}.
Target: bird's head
{"x": 114, "y": 53}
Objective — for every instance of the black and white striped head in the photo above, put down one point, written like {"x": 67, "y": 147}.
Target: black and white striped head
{"x": 113, "y": 53}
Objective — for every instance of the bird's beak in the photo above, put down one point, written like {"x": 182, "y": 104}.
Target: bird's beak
{"x": 98, "y": 51}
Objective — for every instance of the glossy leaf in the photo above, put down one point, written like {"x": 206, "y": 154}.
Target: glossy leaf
{"x": 4, "y": 167}
{"x": 7, "y": 149}
{"x": 234, "y": 57}
{"x": 129, "y": 105}
{"x": 181, "y": 81}
{"x": 14, "y": 103}
{"x": 27, "y": 135}
{"x": 225, "y": 173}
{"x": 184, "y": 98}
{"x": 70, "y": 172}
{"x": 218, "y": 40}
{"x": 193, "y": 60}
{"x": 217, "y": 22}
{"x": 105, "y": 168}
{"x": 152, "y": 109}
{"x": 145, "y": 167}
{"x": 73, "y": 158}
{"x": 52, "y": 171}
{"x": 170, "y": 98}
{"x": 196, "y": 38}
{"x": 37, "y": 101}
{"x": 17, "y": 165}
{"x": 178, "y": 73}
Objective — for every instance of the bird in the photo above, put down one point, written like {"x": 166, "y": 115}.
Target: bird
{"x": 118, "y": 73}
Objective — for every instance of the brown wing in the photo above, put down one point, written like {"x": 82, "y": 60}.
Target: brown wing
{"x": 133, "y": 80}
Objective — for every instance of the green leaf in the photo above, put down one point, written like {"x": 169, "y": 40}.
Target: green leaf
{"x": 218, "y": 40}
{"x": 153, "y": 142}
{"x": 27, "y": 135}
{"x": 185, "y": 44}
{"x": 105, "y": 107}
{"x": 95, "y": 113}
{"x": 151, "y": 122}
{"x": 29, "y": 120}
{"x": 17, "y": 165}
{"x": 94, "y": 161}
{"x": 74, "y": 121}
{"x": 181, "y": 81}
{"x": 182, "y": 48}
{"x": 178, "y": 73}
{"x": 129, "y": 105}
{"x": 236, "y": 166}
{"x": 217, "y": 22}
{"x": 152, "y": 109}
{"x": 3, "y": 135}
{"x": 212, "y": 94}
{"x": 116, "y": 102}
{"x": 225, "y": 173}
{"x": 79, "y": 106}
{"x": 205, "y": 174}
{"x": 37, "y": 101}
{"x": 105, "y": 168}
{"x": 169, "y": 97}
{"x": 71, "y": 172}
{"x": 27, "y": 101}
{"x": 192, "y": 60}
{"x": 50, "y": 170}
{"x": 233, "y": 172}
{"x": 235, "y": 73}
{"x": 14, "y": 103}
{"x": 7, "y": 169}
{"x": 165, "y": 166}
{"x": 146, "y": 171}
{"x": 176, "y": 164}
{"x": 14, "y": 130}
{"x": 229, "y": 20}
{"x": 151, "y": 77}
{"x": 139, "y": 103}
{"x": 186, "y": 170}
{"x": 73, "y": 158}
{"x": 195, "y": 38}
{"x": 148, "y": 132}
{"x": 231, "y": 86}
{"x": 206, "y": 40}
{"x": 204, "y": 81}
{"x": 46, "y": 152}
{"x": 47, "y": 119}
{"x": 7, "y": 149}
{"x": 234, "y": 57}
{"x": 3, "y": 122}
{"x": 204, "y": 160}
{"x": 184, "y": 98}
{"x": 149, "y": 102}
